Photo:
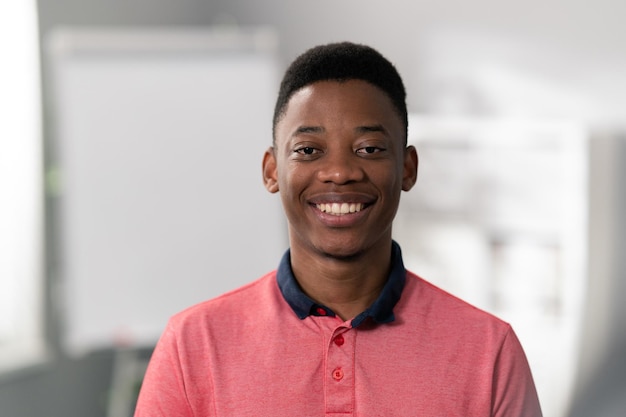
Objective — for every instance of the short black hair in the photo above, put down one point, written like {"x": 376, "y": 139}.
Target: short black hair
{"x": 341, "y": 61}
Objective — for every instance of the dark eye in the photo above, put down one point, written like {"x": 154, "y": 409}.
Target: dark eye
{"x": 306, "y": 150}
{"x": 369, "y": 150}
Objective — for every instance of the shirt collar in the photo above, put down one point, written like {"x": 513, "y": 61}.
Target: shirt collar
{"x": 381, "y": 310}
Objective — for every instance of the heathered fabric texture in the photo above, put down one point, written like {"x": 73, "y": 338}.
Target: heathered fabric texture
{"x": 247, "y": 354}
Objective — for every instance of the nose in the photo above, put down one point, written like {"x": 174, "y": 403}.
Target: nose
{"x": 340, "y": 167}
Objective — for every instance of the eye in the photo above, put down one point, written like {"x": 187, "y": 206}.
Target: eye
{"x": 307, "y": 150}
{"x": 369, "y": 150}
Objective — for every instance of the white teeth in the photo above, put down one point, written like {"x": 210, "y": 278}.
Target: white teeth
{"x": 338, "y": 209}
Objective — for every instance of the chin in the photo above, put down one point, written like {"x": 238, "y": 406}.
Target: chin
{"x": 344, "y": 257}
{"x": 343, "y": 251}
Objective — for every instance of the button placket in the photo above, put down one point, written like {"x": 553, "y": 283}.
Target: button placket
{"x": 339, "y": 385}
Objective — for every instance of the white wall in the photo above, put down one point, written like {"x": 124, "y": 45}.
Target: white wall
{"x": 576, "y": 48}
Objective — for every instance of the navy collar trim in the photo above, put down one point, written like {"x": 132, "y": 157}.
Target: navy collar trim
{"x": 381, "y": 311}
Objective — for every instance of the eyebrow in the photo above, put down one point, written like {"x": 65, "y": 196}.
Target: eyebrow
{"x": 308, "y": 129}
{"x": 360, "y": 129}
{"x": 372, "y": 128}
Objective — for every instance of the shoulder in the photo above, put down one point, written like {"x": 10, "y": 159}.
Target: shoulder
{"x": 434, "y": 306}
{"x": 246, "y": 301}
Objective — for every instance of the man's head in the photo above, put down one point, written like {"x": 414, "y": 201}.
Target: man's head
{"x": 340, "y": 158}
{"x": 342, "y": 62}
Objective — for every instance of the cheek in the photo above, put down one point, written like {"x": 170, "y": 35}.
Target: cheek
{"x": 388, "y": 178}
{"x": 292, "y": 180}
{"x": 283, "y": 181}
{"x": 289, "y": 187}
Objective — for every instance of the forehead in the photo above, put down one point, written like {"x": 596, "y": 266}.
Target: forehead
{"x": 340, "y": 102}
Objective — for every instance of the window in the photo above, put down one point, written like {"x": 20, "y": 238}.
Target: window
{"x": 21, "y": 202}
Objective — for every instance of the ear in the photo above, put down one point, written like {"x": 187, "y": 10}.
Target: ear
{"x": 270, "y": 174}
{"x": 409, "y": 173}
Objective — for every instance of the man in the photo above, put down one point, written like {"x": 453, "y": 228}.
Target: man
{"x": 341, "y": 328}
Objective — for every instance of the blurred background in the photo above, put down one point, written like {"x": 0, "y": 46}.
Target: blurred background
{"x": 130, "y": 149}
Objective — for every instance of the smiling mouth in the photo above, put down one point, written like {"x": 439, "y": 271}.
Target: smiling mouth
{"x": 340, "y": 209}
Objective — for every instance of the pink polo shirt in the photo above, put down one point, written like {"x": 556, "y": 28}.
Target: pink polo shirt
{"x": 247, "y": 354}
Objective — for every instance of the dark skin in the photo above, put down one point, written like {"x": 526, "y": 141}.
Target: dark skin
{"x": 340, "y": 163}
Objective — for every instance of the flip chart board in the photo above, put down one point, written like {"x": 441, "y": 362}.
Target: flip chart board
{"x": 158, "y": 138}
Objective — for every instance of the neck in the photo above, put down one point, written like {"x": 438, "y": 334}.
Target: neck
{"x": 346, "y": 285}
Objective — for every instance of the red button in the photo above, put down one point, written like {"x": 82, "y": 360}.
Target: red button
{"x": 338, "y": 374}
{"x": 321, "y": 311}
{"x": 339, "y": 340}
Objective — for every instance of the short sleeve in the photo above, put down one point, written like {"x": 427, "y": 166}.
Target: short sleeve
{"x": 514, "y": 390}
{"x": 163, "y": 392}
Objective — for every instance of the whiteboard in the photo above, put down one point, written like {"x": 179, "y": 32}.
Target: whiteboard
{"x": 158, "y": 137}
